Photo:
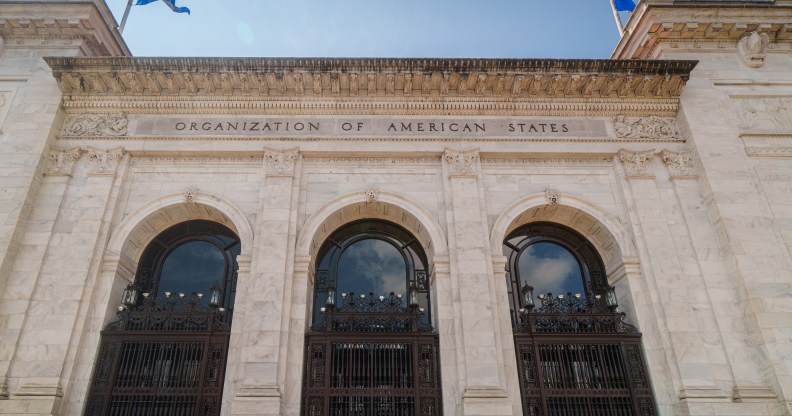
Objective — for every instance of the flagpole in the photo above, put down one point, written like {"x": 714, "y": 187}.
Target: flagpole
{"x": 129, "y": 7}
{"x": 615, "y": 16}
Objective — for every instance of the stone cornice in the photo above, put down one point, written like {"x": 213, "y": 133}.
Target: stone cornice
{"x": 701, "y": 26}
{"x": 57, "y": 24}
{"x": 373, "y": 79}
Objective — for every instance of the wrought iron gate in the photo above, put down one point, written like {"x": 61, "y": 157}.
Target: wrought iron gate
{"x": 371, "y": 358}
{"x": 576, "y": 358}
{"x": 165, "y": 358}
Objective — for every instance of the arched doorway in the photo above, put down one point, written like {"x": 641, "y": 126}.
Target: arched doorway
{"x": 575, "y": 352}
{"x": 371, "y": 349}
{"x": 166, "y": 352}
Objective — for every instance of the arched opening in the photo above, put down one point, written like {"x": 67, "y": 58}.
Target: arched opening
{"x": 371, "y": 349}
{"x": 575, "y": 352}
{"x": 166, "y": 352}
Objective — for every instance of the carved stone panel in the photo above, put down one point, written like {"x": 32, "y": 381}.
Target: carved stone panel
{"x": 642, "y": 128}
{"x": 765, "y": 115}
{"x": 95, "y": 125}
{"x": 637, "y": 164}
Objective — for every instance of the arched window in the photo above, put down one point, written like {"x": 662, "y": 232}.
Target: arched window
{"x": 575, "y": 353}
{"x": 371, "y": 349}
{"x": 166, "y": 353}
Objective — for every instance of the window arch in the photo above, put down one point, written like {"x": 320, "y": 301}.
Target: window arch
{"x": 167, "y": 351}
{"x": 575, "y": 353}
{"x": 371, "y": 349}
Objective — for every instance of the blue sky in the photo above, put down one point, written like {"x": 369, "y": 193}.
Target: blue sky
{"x": 373, "y": 28}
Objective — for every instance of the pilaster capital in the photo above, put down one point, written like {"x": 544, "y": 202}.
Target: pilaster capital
{"x": 60, "y": 162}
{"x": 104, "y": 161}
{"x": 280, "y": 162}
{"x": 679, "y": 164}
{"x": 637, "y": 164}
{"x": 462, "y": 163}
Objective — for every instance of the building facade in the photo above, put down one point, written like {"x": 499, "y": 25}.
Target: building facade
{"x": 662, "y": 173}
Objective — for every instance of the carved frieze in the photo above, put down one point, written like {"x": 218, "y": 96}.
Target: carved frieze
{"x": 299, "y": 85}
{"x": 641, "y": 128}
{"x": 60, "y": 162}
{"x": 95, "y": 125}
{"x": 765, "y": 114}
{"x": 280, "y": 162}
{"x": 679, "y": 164}
{"x": 104, "y": 161}
{"x": 637, "y": 164}
{"x": 462, "y": 163}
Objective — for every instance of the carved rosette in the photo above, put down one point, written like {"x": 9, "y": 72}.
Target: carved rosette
{"x": 637, "y": 164}
{"x": 642, "y": 128}
{"x": 462, "y": 163}
{"x": 60, "y": 162}
{"x": 679, "y": 164}
{"x": 104, "y": 161}
{"x": 280, "y": 162}
{"x": 95, "y": 125}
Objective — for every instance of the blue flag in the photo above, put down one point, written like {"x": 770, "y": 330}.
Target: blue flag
{"x": 622, "y": 5}
{"x": 170, "y": 3}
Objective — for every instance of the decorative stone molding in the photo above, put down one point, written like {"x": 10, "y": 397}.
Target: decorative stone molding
{"x": 552, "y": 196}
{"x": 60, "y": 162}
{"x": 38, "y": 390}
{"x": 679, "y": 164}
{"x": 190, "y": 194}
{"x": 280, "y": 162}
{"x": 372, "y": 194}
{"x": 752, "y": 48}
{"x": 637, "y": 164}
{"x": 95, "y": 125}
{"x": 604, "y": 161}
{"x": 462, "y": 163}
{"x": 641, "y": 128}
{"x": 371, "y": 161}
{"x": 779, "y": 152}
{"x": 104, "y": 161}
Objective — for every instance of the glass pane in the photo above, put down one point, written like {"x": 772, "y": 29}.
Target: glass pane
{"x": 192, "y": 267}
{"x": 372, "y": 265}
{"x": 549, "y": 267}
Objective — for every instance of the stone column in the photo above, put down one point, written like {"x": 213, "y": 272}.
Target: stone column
{"x": 266, "y": 323}
{"x": 479, "y": 354}
{"x": 682, "y": 303}
{"x": 53, "y": 326}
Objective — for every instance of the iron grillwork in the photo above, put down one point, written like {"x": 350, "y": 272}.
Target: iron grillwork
{"x": 371, "y": 356}
{"x": 166, "y": 356}
{"x": 576, "y": 357}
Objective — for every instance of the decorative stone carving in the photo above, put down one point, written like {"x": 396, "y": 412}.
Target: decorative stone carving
{"x": 765, "y": 114}
{"x": 104, "y": 160}
{"x": 60, "y": 162}
{"x": 463, "y": 84}
{"x": 444, "y": 83}
{"x": 372, "y": 84}
{"x": 637, "y": 164}
{"x": 280, "y": 162}
{"x": 639, "y": 128}
{"x": 516, "y": 88}
{"x": 190, "y": 194}
{"x": 481, "y": 84}
{"x": 372, "y": 194}
{"x": 280, "y": 83}
{"x": 462, "y": 163}
{"x": 299, "y": 86}
{"x": 208, "y": 83}
{"x": 390, "y": 83}
{"x": 335, "y": 83}
{"x": 426, "y": 83}
{"x": 408, "y": 83}
{"x": 353, "y": 84}
{"x": 552, "y": 196}
{"x": 95, "y": 125}
{"x": 244, "y": 84}
{"x": 679, "y": 164}
{"x": 317, "y": 84}
{"x": 500, "y": 78}
{"x": 752, "y": 48}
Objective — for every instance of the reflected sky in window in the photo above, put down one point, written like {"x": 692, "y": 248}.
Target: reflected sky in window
{"x": 372, "y": 265}
{"x": 549, "y": 267}
{"x": 192, "y": 267}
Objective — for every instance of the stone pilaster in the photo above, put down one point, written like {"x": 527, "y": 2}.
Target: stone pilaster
{"x": 481, "y": 376}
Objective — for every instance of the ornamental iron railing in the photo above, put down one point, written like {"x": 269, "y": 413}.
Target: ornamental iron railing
{"x": 165, "y": 357}
{"x": 575, "y": 357}
{"x": 371, "y": 357}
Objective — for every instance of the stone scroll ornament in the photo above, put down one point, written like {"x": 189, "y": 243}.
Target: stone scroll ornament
{"x": 95, "y": 125}
{"x": 642, "y": 128}
{"x": 104, "y": 160}
{"x": 462, "y": 163}
{"x": 280, "y": 162}
{"x": 60, "y": 162}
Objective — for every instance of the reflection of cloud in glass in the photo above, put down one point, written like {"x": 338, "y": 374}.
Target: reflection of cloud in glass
{"x": 550, "y": 268}
{"x": 372, "y": 265}
{"x": 192, "y": 267}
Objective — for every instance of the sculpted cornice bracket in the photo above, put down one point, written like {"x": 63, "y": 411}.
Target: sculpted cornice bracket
{"x": 280, "y": 162}
{"x": 679, "y": 164}
{"x": 641, "y": 128}
{"x": 464, "y": 163}
{"x": 93, "y": 125}
{"x": 104, "y": 161}
{"x": 637, "y": 165}
{"x": 60, "y": 162}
